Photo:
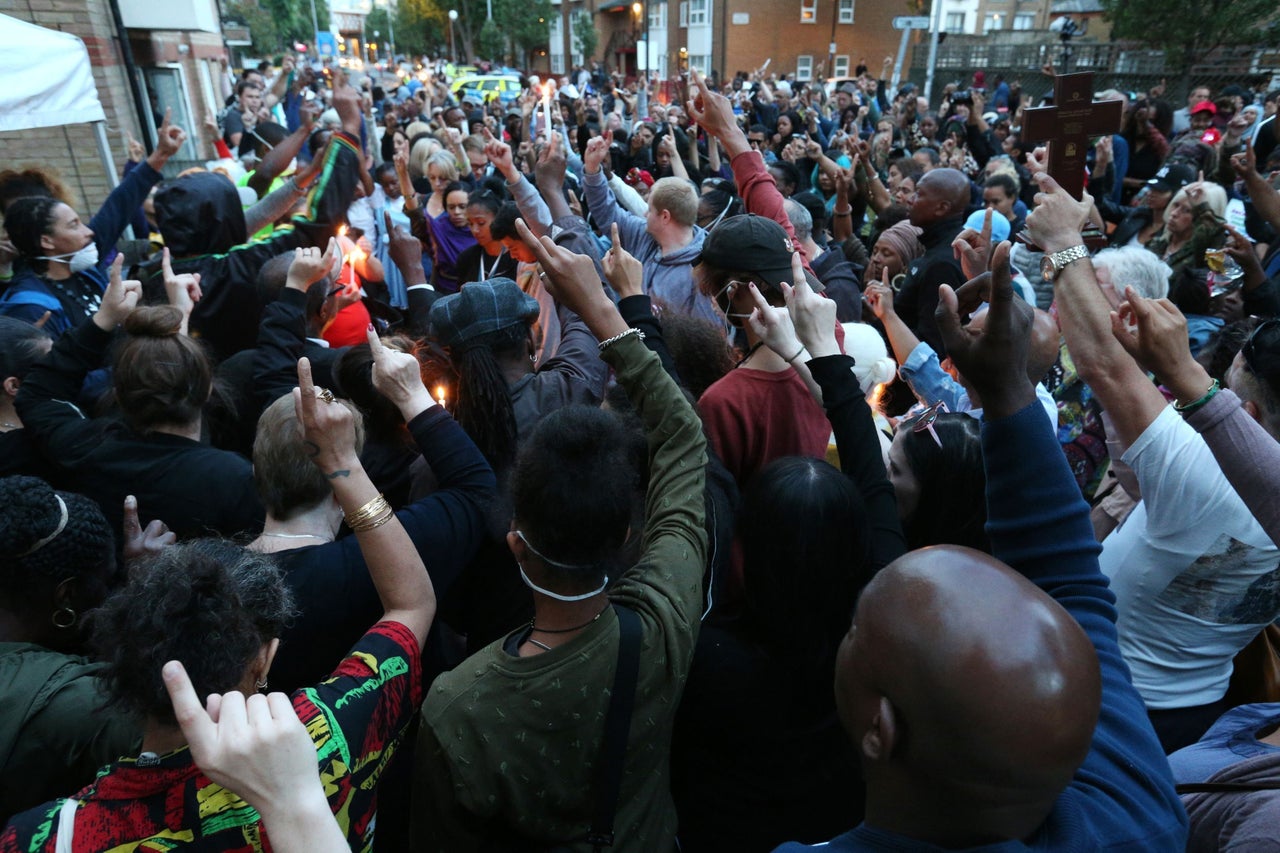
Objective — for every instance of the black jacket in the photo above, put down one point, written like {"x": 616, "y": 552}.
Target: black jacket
{"x": 918, "y": 299}
{"x": 203, "y": 226}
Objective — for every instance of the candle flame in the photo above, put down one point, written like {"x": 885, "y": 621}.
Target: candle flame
{"x": 440, "y": 394}
{"x": 342, "y": 230}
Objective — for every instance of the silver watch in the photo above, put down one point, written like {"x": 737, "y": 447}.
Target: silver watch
{"x": 1051, "y": 265}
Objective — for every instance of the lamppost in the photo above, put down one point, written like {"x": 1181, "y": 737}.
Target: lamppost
{"x": 453, "y": 53}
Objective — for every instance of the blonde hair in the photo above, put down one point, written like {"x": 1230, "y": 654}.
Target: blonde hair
{"x": 419, "y": 155}
{"x": 677, "y": 197}
{"x": 1214, "y": 196}
{"x": 445, "y": 162}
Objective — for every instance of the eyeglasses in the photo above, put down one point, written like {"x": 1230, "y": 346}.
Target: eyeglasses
{"x": 925, "y": 422}
{"x": 1250, "y": 353}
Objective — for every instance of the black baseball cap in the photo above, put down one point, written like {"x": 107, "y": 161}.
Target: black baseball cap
{"x": 1172, "y": 177}
{"x": 754, "y": 244}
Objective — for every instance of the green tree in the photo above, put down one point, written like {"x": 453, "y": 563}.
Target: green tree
{"x": 420, "y": 26}
{"x": 1188, "y": 30}
{"x": 585, "y": 35}
{"x": 489, "y": 42}
{"x": 525, "y": 23}
{"x": 263, "y": 31}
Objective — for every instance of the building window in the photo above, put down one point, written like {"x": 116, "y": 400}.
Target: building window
{"x": 841, "y": 68}
{"x": 684, "y": 13}
{"x": 808, "y": 11}
{"x": 698, "y": 13}
{"x": 804, "y": 68}
{"x": 701, "y": 62}
{"x": 1024, "y": 21}
{"x": 992, "y": 22}
{"x": 955, "y": 22}
{"x": 557, "y": 63}
{"x": 845, "y": 15}
{"x": 657, "y": 16}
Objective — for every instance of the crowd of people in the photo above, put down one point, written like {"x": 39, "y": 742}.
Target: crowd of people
{"x": 719, "y": 465}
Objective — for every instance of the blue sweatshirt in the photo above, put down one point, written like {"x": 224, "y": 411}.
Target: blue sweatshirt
{"x": 1122, "y": 797}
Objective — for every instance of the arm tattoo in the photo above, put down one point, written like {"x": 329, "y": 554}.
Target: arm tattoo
{"x": 341, "y": 472}
{"x": 313, "y": 449}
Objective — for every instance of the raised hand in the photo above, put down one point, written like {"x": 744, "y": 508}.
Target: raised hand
{"x": 973, "y": 248}
{"x": 139, "y": 542}
{"x": 570, "y": 277}
{"x": 773, "y": 325}
{"x": 994, "y": 359}
{"x": 813, "y": 315}
{"x": 879, "y": 297}
{"x": 622, "y": 270}
{"x": 182, "y": 290}
{"x": 594, "y": 156}
{"x": 119, "y": 299}
{"x": 551, "y": 165}
{"x": 398, "y": 377}
{"x": 256, "y": 747}
{"x": 1057, "y": 219}
{"x": 1245, "y": 163}
{"x": 405, "y": 251}
{"x": 137, "y": 153}
{"x": 169, "y": 140}
{"x": 310, "y": 266}
{"x": 1154, "y": 332}
{"x": 499, "y": 154}
{"x": 710, "y": 109}
{"x": 327, "y": 427}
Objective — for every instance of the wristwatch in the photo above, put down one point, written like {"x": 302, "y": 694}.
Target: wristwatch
{"x": 1051, "y": 265}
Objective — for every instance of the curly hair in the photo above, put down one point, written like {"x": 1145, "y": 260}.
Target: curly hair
{"x": 208, "y": 603}
{"x": 27, "y": 220}
{"x": 33, "y": 180}
{"x": 85, "y": 548}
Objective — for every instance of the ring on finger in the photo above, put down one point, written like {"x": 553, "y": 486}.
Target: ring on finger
{"x": 325, "y": 394}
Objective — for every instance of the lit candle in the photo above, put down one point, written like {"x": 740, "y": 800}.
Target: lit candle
{"x": 546, "y": 107}
{"x": 440, "y": 395}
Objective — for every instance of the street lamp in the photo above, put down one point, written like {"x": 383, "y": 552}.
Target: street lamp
{"x": 453, "y": 53}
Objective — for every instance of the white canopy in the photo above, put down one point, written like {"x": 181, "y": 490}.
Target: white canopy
{"x": 45, "y": 78}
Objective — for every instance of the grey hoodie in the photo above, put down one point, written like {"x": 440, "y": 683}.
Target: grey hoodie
{"x": 668, "y": 279}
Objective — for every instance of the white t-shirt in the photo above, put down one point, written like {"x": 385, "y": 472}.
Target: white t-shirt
{"x": 1195, "y": 576}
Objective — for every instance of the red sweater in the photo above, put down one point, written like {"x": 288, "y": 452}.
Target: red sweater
{"x": 754, "y": 417}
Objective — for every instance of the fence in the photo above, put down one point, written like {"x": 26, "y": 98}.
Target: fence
{"x": 1117, "y": 65}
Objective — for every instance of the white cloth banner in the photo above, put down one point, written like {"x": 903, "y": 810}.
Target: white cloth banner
{"x": 45, "y": 78}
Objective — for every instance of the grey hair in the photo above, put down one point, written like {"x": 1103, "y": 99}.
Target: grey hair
{"x": 801, "y": 219}
{"x": 1134, "y": 266}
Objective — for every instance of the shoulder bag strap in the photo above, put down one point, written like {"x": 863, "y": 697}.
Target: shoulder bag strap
{"x": 1227, "y": 787}
{"x": 617, "y": 727}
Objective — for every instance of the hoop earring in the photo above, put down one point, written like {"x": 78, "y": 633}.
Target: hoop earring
{"x": 64, "y": 618}
{"x": 261, "y": 685}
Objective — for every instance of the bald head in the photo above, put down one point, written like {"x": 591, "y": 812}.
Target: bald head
{"x": 971, "y": 694}
{"x": 940, "y": 194}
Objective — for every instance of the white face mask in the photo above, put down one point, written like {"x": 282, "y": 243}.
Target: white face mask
{"x": 78, "y": 261}
{"x": 548, "y": 593}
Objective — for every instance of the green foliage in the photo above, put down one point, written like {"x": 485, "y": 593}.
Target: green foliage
{"x": 262, "y": 27}
{"x": 526, "y": 23}
{"x": 489, "y": 43}
{"x": 585, "y": 35}
{"x": 1187, "y": 30}
{"x": 420, "y": 26}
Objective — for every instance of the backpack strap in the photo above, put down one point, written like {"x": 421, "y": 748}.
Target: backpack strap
{"x": 617, "y": 728}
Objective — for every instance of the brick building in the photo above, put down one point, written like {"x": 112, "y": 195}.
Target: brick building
{"x": 729, "y": 35}
{"x": 176, "y": 46}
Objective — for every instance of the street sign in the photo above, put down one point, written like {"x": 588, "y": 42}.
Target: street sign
{"x": 911, "y": 22}
{"x": 326, "y": 43}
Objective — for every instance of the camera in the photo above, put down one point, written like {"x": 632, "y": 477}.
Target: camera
{"x": 962, "y": 96}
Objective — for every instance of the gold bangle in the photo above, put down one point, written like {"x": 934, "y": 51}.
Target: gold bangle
{"x": 373, "y": 508}
{"x": 374, "y": 523}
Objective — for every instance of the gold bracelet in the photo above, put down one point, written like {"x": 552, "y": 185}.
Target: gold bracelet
{"x": 376, "y": 522}
{"x": 370, "y": 510}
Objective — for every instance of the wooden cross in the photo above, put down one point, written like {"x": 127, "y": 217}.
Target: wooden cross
{"x": 1067, "y": 126}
